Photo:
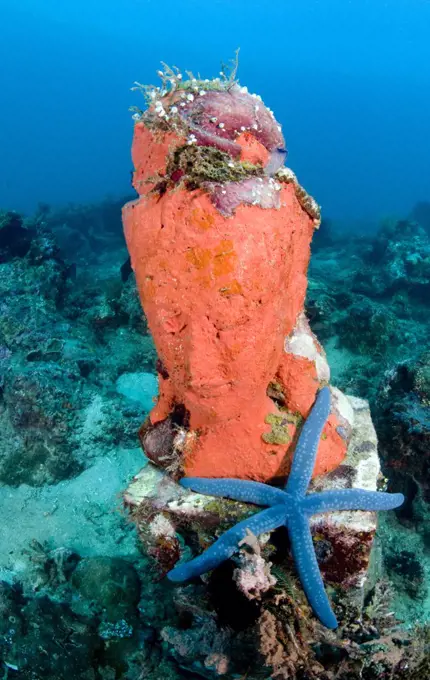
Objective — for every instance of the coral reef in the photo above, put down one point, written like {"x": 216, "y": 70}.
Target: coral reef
{"x": 15, "y": 238}
{"x": 404, "y": 426}
{"x": 60, "y": 335}
{"x": 70, "y": 569}
{"x": 367, "y": 301}
{"x": 85, "y": 232}
{"x": 232, "y": 625}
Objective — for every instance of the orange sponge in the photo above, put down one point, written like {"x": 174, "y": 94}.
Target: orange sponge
{"x": 222, "y": 282}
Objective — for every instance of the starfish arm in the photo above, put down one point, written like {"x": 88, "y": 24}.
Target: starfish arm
{"x": 237, "y": 489}
{"x": 350, "y": 499}
{"x": 307, "y": 567}
{"x": 307, "y": 445}
{"x": 227, "y": 544}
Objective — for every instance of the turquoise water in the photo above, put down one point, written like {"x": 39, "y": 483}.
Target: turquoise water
{"x": 83, "y": 552}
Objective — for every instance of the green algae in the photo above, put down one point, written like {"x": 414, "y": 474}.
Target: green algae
{"x": 227, "y": 513}
{"x": 172, "y": 81}
{"x": 200, "y": 164}
{"x": 279, "y": 433}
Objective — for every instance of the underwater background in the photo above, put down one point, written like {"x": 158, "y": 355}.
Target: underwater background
{"x": 350, "y": 83}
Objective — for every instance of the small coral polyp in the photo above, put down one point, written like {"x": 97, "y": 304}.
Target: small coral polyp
{"x": 219, "y": 240}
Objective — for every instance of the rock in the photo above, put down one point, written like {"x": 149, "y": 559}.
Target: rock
{"x": 112, "y": 584}
{"x": 251, "y": 612}
{"x": 169, "y": 517}
{"x": 344, "y": 539}
{"x": 15, "y": 238}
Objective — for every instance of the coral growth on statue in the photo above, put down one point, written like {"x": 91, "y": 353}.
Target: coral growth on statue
{"x": 219, "y": 240}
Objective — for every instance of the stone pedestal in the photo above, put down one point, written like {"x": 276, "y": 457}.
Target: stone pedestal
{"x": 260, "y": 580}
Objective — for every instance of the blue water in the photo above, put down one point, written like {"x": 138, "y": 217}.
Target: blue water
{"x": 85, "y": 532}
{"x": 349, "y": 80}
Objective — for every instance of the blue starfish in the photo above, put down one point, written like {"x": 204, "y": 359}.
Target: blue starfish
{"x": 290, "y": 507}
